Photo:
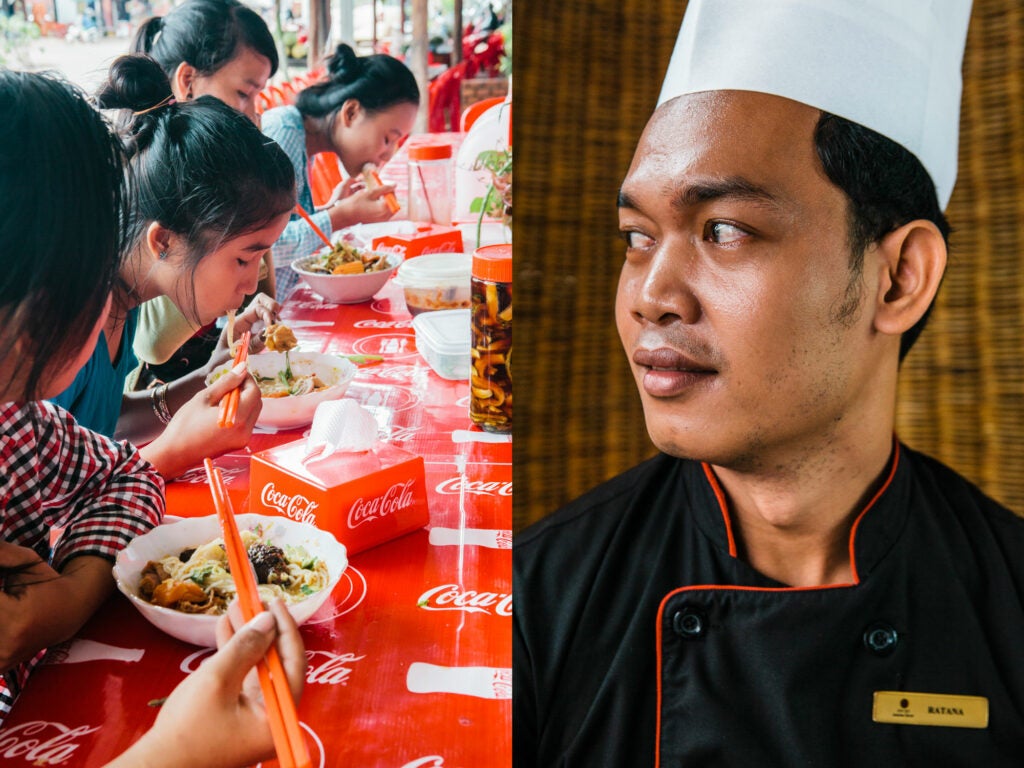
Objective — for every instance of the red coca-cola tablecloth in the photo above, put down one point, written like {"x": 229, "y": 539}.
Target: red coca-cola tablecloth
{"x": 410, "y": 657}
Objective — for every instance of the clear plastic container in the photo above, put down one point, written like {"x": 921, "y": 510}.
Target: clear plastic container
{"x": 430, "y": 183}
{"x": 436, "y": 281}
{"x": 490, "y": 385}
{"x": 443, "y": 339}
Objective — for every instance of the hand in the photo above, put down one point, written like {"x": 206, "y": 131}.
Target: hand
{"x": 222, "y": 698}
{"x": 344, "y": 189}
{"x": 363, "y": 206}
{"x": 41, "y": 607}
{"x": 192, "y": 434}
{"x": 261, "y": 311}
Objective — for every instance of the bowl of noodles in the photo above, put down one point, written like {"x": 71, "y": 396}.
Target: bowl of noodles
{"x": 294, "y": 383}
{"x": 345, "y": 273}
{"x": 177, "y": 574}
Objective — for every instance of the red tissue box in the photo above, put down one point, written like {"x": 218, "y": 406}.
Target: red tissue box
{"x": 364, "y": 499}
{"x": 428, "y": 238}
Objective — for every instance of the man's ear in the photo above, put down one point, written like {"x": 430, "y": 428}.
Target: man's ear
{"x": 911, "y": 262}
{"x": 183, "y": 80}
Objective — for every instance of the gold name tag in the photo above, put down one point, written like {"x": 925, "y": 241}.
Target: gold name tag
{"x": 908, "y": 708}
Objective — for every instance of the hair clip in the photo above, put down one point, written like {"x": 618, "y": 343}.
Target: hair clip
{"x": 165, "y": 103}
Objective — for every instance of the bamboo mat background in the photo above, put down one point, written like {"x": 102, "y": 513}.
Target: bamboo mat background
{"x": 586, "y": 77}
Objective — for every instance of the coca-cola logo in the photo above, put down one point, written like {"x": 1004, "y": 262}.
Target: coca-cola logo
{"x": 331, "y": 669}
{"x": 293, "y": 305}
{"x": 453, "y": 486}
{"x": 198, "y": 476}
{"x": 42, "y": 743}
{"x": 501, "y": 683}
{"x": 389, "y": 248}
{"x": 323, "y": 668}
{"x": 296, "y": 506}
{"x": 445, "y": 246}
{"x": 383, "y": 324}
{"x": 450, "y": 597}
{"x": 402, "y": 373}
{"x": 429, "y": 761}
{"x": 393, "y": 500}
{"x": 402, "y": 434}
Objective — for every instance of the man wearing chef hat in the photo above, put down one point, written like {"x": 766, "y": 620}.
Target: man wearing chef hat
{"x": 785, "y": 584}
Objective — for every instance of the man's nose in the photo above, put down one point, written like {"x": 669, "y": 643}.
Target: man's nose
{"x": 664, "y": 291}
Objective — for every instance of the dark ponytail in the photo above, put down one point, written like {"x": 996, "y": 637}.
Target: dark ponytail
{"x": 377, "y": 82}
{"x": 145, "y": 35}
{"x": 206, "y": 34}
{"x": 61, "y": 221}
{"x": 199, "y": 168}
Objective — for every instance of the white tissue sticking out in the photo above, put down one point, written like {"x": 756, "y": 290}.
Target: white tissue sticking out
{"x": 341, "y": 426}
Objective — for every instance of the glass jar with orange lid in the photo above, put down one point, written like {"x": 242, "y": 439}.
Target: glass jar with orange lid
{"x": 490, "y": 400}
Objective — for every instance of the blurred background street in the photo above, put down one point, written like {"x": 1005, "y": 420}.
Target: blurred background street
{"x": 81, "y": 62}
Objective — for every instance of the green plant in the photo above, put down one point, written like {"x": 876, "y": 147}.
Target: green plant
{"x": 497, "y": 200}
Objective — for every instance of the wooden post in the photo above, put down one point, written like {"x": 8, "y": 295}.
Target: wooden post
{"x": 417, "y": 62}
{"x": 457, "y": 34}
{"x": 319, "y": 29}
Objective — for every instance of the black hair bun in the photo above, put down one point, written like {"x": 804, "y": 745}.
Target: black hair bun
{"x": 134, "y": 82}
{"x": 344, "y": 65}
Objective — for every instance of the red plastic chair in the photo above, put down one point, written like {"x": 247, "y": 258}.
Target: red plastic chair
{"x": 324, "y": 176}
{"x": 263, "y": 102}
{"x": 473, "y": 111}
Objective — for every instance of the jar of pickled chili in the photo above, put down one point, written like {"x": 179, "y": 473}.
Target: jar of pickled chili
{"x": 490, "y": 385}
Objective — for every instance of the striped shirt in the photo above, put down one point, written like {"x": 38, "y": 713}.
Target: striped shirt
{"x": 284, "y": 125}
{"x": 54, "y": 473}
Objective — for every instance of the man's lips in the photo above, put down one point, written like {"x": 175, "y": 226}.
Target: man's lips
{"x": 670, "y": 372}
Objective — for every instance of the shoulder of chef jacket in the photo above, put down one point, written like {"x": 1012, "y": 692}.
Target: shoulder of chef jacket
{"x": 640, "y": 639}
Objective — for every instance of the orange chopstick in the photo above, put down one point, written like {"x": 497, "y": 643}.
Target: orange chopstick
{"x": 302, "y": 212}
{"x": 229, "y": 403}
{"x": 277, "y": 695}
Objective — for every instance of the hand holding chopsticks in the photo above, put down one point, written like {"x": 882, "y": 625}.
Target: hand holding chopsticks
{"x": 229, "y": 404}
{"x": 284, "y": 720}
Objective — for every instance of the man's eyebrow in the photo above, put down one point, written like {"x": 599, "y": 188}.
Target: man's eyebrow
{"x": 254, "y": 84}
{"x": 735, "y": 187}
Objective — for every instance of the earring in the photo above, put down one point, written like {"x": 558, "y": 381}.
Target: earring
{"x": 188, "y": 94}
{"x": 162, "y": 255}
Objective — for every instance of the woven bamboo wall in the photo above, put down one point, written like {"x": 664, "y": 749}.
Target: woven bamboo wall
{"x": 586, "y": 79}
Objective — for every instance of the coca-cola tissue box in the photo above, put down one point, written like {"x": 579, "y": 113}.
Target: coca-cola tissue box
{"x": 363, "y": 498}
{"x": 420, "y": 239}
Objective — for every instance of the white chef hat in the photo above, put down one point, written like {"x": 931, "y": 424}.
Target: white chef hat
{"x": 891, "y": 65}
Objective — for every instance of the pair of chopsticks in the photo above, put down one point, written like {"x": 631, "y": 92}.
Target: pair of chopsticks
{"x": 277, "y": 696}
{"x": 302, "y": 212}
{"x": 229, "y": 403}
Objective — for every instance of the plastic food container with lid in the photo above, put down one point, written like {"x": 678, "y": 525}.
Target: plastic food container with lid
{"x": 436, "y": 281}
{"x": 443, "y": 338}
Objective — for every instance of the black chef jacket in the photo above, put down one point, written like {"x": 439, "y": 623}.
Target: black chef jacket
{"x": 640, "y": 639}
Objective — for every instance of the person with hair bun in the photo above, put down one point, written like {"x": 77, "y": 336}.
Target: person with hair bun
{"x": 210, "y": 197}
{"x": 361, "y": 112}
{"x": 216, "y": 48}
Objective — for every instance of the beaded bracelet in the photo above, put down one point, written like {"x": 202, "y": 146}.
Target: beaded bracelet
{"x": 159, "y": 398}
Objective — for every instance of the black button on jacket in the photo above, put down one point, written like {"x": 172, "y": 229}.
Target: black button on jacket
{"x": 640, "y": 639}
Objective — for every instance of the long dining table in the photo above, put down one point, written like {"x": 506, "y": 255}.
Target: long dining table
{"x": 409, "y": 660}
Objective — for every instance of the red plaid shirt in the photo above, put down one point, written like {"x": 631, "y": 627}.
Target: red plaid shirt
{"x": 57, "y": 474}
